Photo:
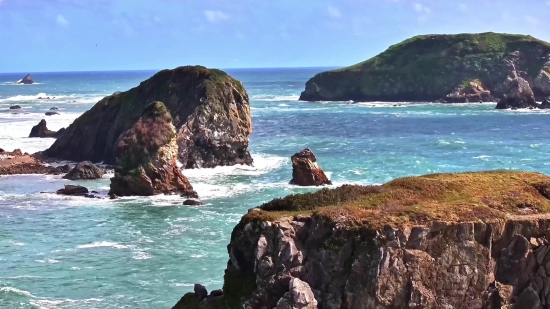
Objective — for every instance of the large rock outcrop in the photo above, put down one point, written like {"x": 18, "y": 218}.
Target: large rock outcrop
{"x": 306, "y": 171}
{"x": 518, "y": 95}
{"x": 27, "y": 80}
{"x": 210, "y": 109}
{"x": 146, "y": 157}
{"x": 84, "y": 171}
{"x": 471, "y": 240}
{"x": 432, "y": 67}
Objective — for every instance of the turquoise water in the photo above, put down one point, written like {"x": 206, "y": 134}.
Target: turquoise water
{"x": 63, "y": 252}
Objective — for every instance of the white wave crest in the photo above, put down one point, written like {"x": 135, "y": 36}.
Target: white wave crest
{"x": 9, "y": 289}
{"x": 100, "y": 244}
{"x": 271, "y": 98}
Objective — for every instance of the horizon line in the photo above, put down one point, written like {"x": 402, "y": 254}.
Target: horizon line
{"x": 148, "y": 70}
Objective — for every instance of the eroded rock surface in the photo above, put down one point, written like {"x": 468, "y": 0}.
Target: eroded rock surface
{"x": 41, "y": 130}
{"x": 306, "y": 171}
{"x": 85, "y": 170}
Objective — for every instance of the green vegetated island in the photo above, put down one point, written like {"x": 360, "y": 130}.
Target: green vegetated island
{"x": 444, "y": 68}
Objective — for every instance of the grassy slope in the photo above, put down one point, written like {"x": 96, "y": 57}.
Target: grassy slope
{"x": 417, "y": 200}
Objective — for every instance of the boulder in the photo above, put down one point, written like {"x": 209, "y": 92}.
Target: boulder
{"x": 469, "y": 91}
{"x": 51, "y": 113}
{"x": 26, "y": 80}
{"x": 146, "y": 157}
{"x": 54, "y": 109}
{"x": 15, "y": 107}
{"x": 113, "y": 196}
{"x": 192, "y": 203}
{"x": 73, "y": 190}
{"x": 299, "y": 296}
{"x": 41, "y": 130}
{"x": 306, "y": 171}
{"x": 211, "y": 113}
{"x": 200, "y": 291}
{"x": 545, "y": 103}
{"x": 85, "y": 170}
{"x": 518, "y": 94}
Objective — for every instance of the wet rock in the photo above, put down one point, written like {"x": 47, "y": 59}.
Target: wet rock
{"x": 54, "y": 108}
{"x": 85, "y": 170}
{"x": 518, "y": 95}
{"x": 15, "y": 107}
{"x": 200, "y": 292}
{"x": 113, "y": 196}
{"x": 26, "y": 80}
{"x": 146, "y": 157}
{"x": 41, "y": 130}
{"x": 73, "y": 190}
{"x": 192, "y": 203}
{"x": 51, "y": 113}
{"x": 306, "y": 171}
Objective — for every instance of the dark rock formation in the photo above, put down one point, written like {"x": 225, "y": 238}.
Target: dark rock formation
{"x": 430, "y": 67}
{"x": 518, "y": 95}
{"x": 470, "y": 91}
{"x": 545, "y": 103}
{"x": 146, "y": 157}
{"x": 85, "y": 170}
{"x": 113, "y": 196}
{"x": 73, "y": 190}
{"x": 306, "y": 171}
{"x": 471, "y": 240}
{"x": 41, "y": 130}
{"x": 54, "y": 109}
{"x": 16, "y": 162}
{"x": 51, "y": 113}
{"x": 210, "y": 109}
{"x": 192, "y": 203}
{"x": 26, "y": 80}
{"x": 15, "y": 107}
{"x": 201, "y": 300}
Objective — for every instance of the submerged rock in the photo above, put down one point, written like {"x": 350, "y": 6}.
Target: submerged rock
{"x": 146, "y": 157}
{"x": 306, "y": 171}
{"x": 51, "y": 113}
{"x": 192, "y": 203}
{"x": 518, "y": 95}
{"x": 26, "y": 80}
{"x": 15, "y": 107}
{"x": 41, "y": 130}
{"x": 211, "y": 113}
{"x": 85, "y": 170}
{"x": 73, "y": 190}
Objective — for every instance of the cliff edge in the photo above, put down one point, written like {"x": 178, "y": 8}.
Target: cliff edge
{"x": 450, "y": 68}
{"x": 468, "y": 240}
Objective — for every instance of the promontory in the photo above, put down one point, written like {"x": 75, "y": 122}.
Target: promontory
{"x": 449, "y": 68}
{"x": 209, "y": 108}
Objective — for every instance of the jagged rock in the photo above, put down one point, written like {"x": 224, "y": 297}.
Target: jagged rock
{"x": 306, "y": 171}
{"x": 299, "y": 296}
{"x": 200, "y": 292}
{"x": 26, "y": 80}
{"x": 73, "y": 190}
{"x": 518, "y": 95}
{"x": 216, "y": 293}
{"x": 15, "y": 107}
{"x": 192, "y": 203}
{"x": 54, "y": 109}
{"x": 146, "y": 157}
{"x": 16, "y": 162}
{"x": 85, "y": 170}
{"x": 113, "y": 196}
{"x": 51, "y": 113}
{"x": 470, "y": 91}
{"x": 41, "y": 130}
{"x": 545, "y": 103}
{"x": 211, "y": 113}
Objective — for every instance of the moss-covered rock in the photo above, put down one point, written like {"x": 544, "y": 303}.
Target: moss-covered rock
{"x": 431, "y": 67}
{"x": 146, "y": 157}
{"x": 210, "y": 109}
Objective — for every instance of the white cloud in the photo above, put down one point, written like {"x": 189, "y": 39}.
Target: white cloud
{"x": 462, "y": 7}
{"x": 334, "y": 12}
{"x": 216, "y": 16}
{"x": 423, "y": 11}
{"x": 62, "y": 21}
{"x": 531, "y": 20}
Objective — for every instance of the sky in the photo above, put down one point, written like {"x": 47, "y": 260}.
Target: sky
{"x": 97, "y": 35}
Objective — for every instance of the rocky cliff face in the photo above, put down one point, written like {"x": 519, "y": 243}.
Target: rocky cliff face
{"x": 146, "y": 157}
{"x": 473, "y": 240}
{"x": 432, "y": 67}
{"x": 210, "y": 109}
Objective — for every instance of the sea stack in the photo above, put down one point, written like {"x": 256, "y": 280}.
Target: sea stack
{"x": 41, "y": 130}
{"x": 518, "y": 95}
{"x": 443, "y": 68}
{"x": 211, "y": 113}
{"x": 306, "y": 171}
{"x": 146, "y": 157}
{"x": 27, "y": 80}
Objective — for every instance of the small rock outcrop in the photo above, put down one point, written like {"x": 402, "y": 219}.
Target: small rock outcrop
{"x": 201, "y": 300}
{"x": 146, "y": 157}
{"x": 16, "y": 162}
{"x": 27, "y": 80}
{"x": 306, "y": 171}
{"x": 85, "y": 170}
{"x": 545, "y": 103}
{"x": 51, "y": 113}
{"x": 192, "y": 203}
{"x": 73, "y": 190}
{"x": 15, "y": 107}
{"x": 471, "y": 91}
{"x": 211, "y": 113}
{"x": 518, "y": 95}
{"x": 460, "y": 240}
{"x": 41, "y": 130}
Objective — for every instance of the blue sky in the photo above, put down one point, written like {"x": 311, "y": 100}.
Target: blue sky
{"x": 80, "y": 35}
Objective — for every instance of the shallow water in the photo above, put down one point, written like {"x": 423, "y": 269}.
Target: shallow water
{"x": 65, "y": 252}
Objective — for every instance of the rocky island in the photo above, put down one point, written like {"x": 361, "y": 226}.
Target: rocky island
{"x": 210, "y": 110}
{"x": 465, "y": 240}
{"x": 27, "y": 80}
{"x": 446, "y": 68}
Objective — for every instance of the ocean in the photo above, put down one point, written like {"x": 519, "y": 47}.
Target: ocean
{"x": 69, "y": 252}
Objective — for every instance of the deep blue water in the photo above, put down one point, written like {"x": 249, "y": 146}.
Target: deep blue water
{"x": 61, "y": 252}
